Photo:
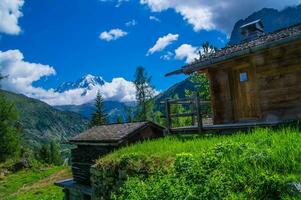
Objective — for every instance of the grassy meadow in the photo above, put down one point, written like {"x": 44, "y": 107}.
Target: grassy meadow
{"x": 262, "y": 164}
{"x": 33, "y": 184}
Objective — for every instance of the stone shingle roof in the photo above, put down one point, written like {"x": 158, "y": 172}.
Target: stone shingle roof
{"x": 264, "y": 41}
{"x": 112, "y": 132}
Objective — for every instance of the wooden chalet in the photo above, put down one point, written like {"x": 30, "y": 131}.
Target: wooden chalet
{"x": 96, "y": 142}
{"x": 257, "y": 80}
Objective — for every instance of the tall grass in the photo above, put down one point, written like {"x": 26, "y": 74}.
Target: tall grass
{"x": 261, "y": 164}
{"x": 275, "y": 140}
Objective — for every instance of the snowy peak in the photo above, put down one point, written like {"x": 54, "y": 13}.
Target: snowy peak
{"x": 86, "y": 82}
{"x": 89, "y": 81}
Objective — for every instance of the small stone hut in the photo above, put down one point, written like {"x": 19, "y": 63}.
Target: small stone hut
{"x": 257, "y": 80}
{"x": 96, "y": 142}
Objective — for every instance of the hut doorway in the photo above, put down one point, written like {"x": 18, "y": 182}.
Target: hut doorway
{"x": 245, "y": 94}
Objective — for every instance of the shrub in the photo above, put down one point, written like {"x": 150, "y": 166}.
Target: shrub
{"x": 260, "y": 165}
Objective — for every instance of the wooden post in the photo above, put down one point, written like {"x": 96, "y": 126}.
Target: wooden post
{"x": 192, "y": 107}
{"x": 168, "y": 119}
{"x": 199, "y": 113}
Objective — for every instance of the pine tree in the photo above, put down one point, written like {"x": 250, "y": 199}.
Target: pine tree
{"x": 201, "y": 81}
{"x": 44, "y": 154}
{"x": 9, "y": 130}
{"x": 206, "y": 50}
{"x": 129, "y": 111}
{"x": 99, "y": 117}
{"x": 119, "y": 119}
{"x": 55, "y": 155}
{"x": 144, "y": 94}
{"x": 50, "y": 154}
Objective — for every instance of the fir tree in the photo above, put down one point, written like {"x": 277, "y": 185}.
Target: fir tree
{"x": 144, "y": 94}
{"x": 99, "y": 117}
{"x": 44, "y": 154}
{"x": 129, "y": 111}
{"x": 50, "y": 154}
{"x": 9, "y": 130}
{"x": 201, "y": 81}
{"x": 119, "y": 119}
{"x": 55, "y": 155}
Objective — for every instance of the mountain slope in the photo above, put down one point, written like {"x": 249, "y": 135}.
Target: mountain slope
{"x": 113, "y": 108}
{"x": 176, "y": 89}
{"x": 42, "y": 123}
{"x": 271, "y": 18}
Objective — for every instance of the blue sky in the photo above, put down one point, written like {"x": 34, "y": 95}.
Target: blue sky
{"x": 65, "y": 35}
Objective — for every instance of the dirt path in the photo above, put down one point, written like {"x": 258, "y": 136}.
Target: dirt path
{"x": 63, "y": 174}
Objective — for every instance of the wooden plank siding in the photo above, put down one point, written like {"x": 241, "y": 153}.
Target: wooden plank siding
{"x": 221, "y": 99}
{"x": 279, "y": 83}
{"x": 275, "y": 90}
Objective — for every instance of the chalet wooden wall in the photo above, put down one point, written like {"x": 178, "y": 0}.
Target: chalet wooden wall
{"x": 221, "y": 99}
{"x": 278, "y": 80}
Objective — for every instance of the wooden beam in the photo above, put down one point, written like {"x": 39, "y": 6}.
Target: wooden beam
{"x": 183, "y": 115}
{"x": 193, "y": 116}
{"x": 199, "y": 113}
{"x": 182, "y": 100}
{"x": 167, "y": 112}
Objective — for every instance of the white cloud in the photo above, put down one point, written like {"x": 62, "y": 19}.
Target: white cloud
{"x": 118, "y": 2}
{"x": 215, "y": 14}
{"x": 167, "y": 56}
{"x": 118, "y": 89}
{"x": 163, "y": 42}
{"x": 153, "y": 18}
{"x": 22, "y": 74}
{"x": 113, "y": 34}
{"x": 10, "y": 12}
{"x": 131, "y": 23}
{"x": 186, "y": 51}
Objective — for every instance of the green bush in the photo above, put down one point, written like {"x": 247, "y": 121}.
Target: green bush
{"x": 260, "y": 165}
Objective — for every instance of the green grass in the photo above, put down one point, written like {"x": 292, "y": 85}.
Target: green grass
{"x": 257, "y": 165}
{"x": 169, "y": 147}
{"x": 33, "y": 184}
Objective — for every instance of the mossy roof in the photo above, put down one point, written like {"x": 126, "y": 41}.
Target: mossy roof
{"x": 265, "y": 41}
{"x": 112, "y": 133}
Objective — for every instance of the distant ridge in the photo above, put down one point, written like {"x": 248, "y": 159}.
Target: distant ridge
{"x": 271, "y": 18}
{"x": 42, "y": 123}
{"x": 86, "y": 82}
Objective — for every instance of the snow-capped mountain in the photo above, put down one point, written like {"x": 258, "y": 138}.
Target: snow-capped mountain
{"x": 86, "y": 82}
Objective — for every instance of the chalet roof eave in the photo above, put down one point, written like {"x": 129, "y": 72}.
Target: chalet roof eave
{"x": 95, "y": 142}
{"x": 113, "y": 141}
{"x": 189, "y": 69}
{"x": 253, "y": 22}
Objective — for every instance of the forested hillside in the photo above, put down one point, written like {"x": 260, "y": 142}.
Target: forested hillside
{"x": 41, "y": 123}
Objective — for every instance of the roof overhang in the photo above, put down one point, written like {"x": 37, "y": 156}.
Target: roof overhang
{"x": 71, "y": 184}
{"x": 200, "y": 66}
{"x": 113, "y": 141}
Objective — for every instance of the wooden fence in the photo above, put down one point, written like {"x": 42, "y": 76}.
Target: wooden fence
{"x": 196, "y": 115}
